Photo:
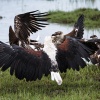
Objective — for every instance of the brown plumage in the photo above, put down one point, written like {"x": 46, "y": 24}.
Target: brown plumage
{"x": 77, "y": 31}
{"x": 27, "y": 23}
{"x": 23, "y": 62}
{"x": 72, "y": 52}
{"x": 72, "y": 49}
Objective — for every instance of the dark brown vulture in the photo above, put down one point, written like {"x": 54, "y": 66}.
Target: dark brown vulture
{"x": 33, "y": 64}
{"x": 72, "y": 51}
{"x": 77, "y": 32}
{"x": 28, "y": 63}
{"x": 21, "y": 58}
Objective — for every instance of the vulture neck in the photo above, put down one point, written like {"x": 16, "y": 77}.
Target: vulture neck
{"x": 51, "y": 50}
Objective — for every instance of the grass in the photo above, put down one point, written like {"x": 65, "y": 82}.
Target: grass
{"x": 92, "y": 17}
{"x": 82, "y": 85}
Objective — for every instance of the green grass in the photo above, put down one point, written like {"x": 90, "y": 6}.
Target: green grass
{"x": 82, "y": 85}
{"x": 92, "y": 17}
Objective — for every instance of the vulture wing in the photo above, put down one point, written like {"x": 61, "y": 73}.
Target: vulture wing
{"x": 24, "y": 63}
{"x": 78, "y": 30}
{"x": 71, "y": 54}
{"x": 80, "y": 26}
{"x": 29, "y": 22}
{"x": 91, "y": 43}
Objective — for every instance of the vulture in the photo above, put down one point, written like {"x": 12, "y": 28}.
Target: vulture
{"x": 77, "y": 32}
{"x": 58, "y": 53}
{"x": 78, "y": 29}
{"x": 72, "y": 50}
{"x": 24, "y": 61}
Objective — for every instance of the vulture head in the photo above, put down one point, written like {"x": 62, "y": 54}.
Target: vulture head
{"x": 58, "y": 37}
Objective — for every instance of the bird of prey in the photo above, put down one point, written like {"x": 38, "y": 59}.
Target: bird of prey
{"x": 58, "y": 54}
{"x": 21, "y": 58}
{"x": 77, "y": 31}
{"x": 72, "y": 51}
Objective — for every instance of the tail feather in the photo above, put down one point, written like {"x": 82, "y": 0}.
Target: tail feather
{"x": 56, "y": 76}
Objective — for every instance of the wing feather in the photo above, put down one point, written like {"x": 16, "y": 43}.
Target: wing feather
{"x": 29, "y": 22}
{"x": 71, "y": 53}
{"x": 24, "y": 63}
{"x": 80, "y": 25}
{"x": 78, "y": 30}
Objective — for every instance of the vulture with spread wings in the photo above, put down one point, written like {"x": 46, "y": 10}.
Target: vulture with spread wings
{"x": 57, "y": 54}
{"x": 72, "y": 50}
{"x": 77, "y": 32}
{"x": 21, "y": 58}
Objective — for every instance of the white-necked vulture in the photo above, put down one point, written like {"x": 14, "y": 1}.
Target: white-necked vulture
{"x": 22, "y": 59}
{"x": 29, "y": 63}
{"x": 77, "y": 32}
{"x": 72, "y": 50}
{"x": 95, "y": 58}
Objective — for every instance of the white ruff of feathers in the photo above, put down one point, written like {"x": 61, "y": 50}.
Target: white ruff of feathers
{"x": 51, "y": 50}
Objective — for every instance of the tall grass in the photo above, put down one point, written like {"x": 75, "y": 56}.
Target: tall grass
{"x": 77, "y": 85}
{"x": 92, "y": 17}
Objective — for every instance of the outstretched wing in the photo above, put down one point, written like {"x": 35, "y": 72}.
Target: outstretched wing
{"x": 29, "y": 22}
{"x": 71, "y": 54}
{"x": 24, "y": 63}
{"x": 78, "y": 30}
{"x": 79, "y": 25}
{"x": 91, "y": 43}
{"x": 95, "y": 58}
